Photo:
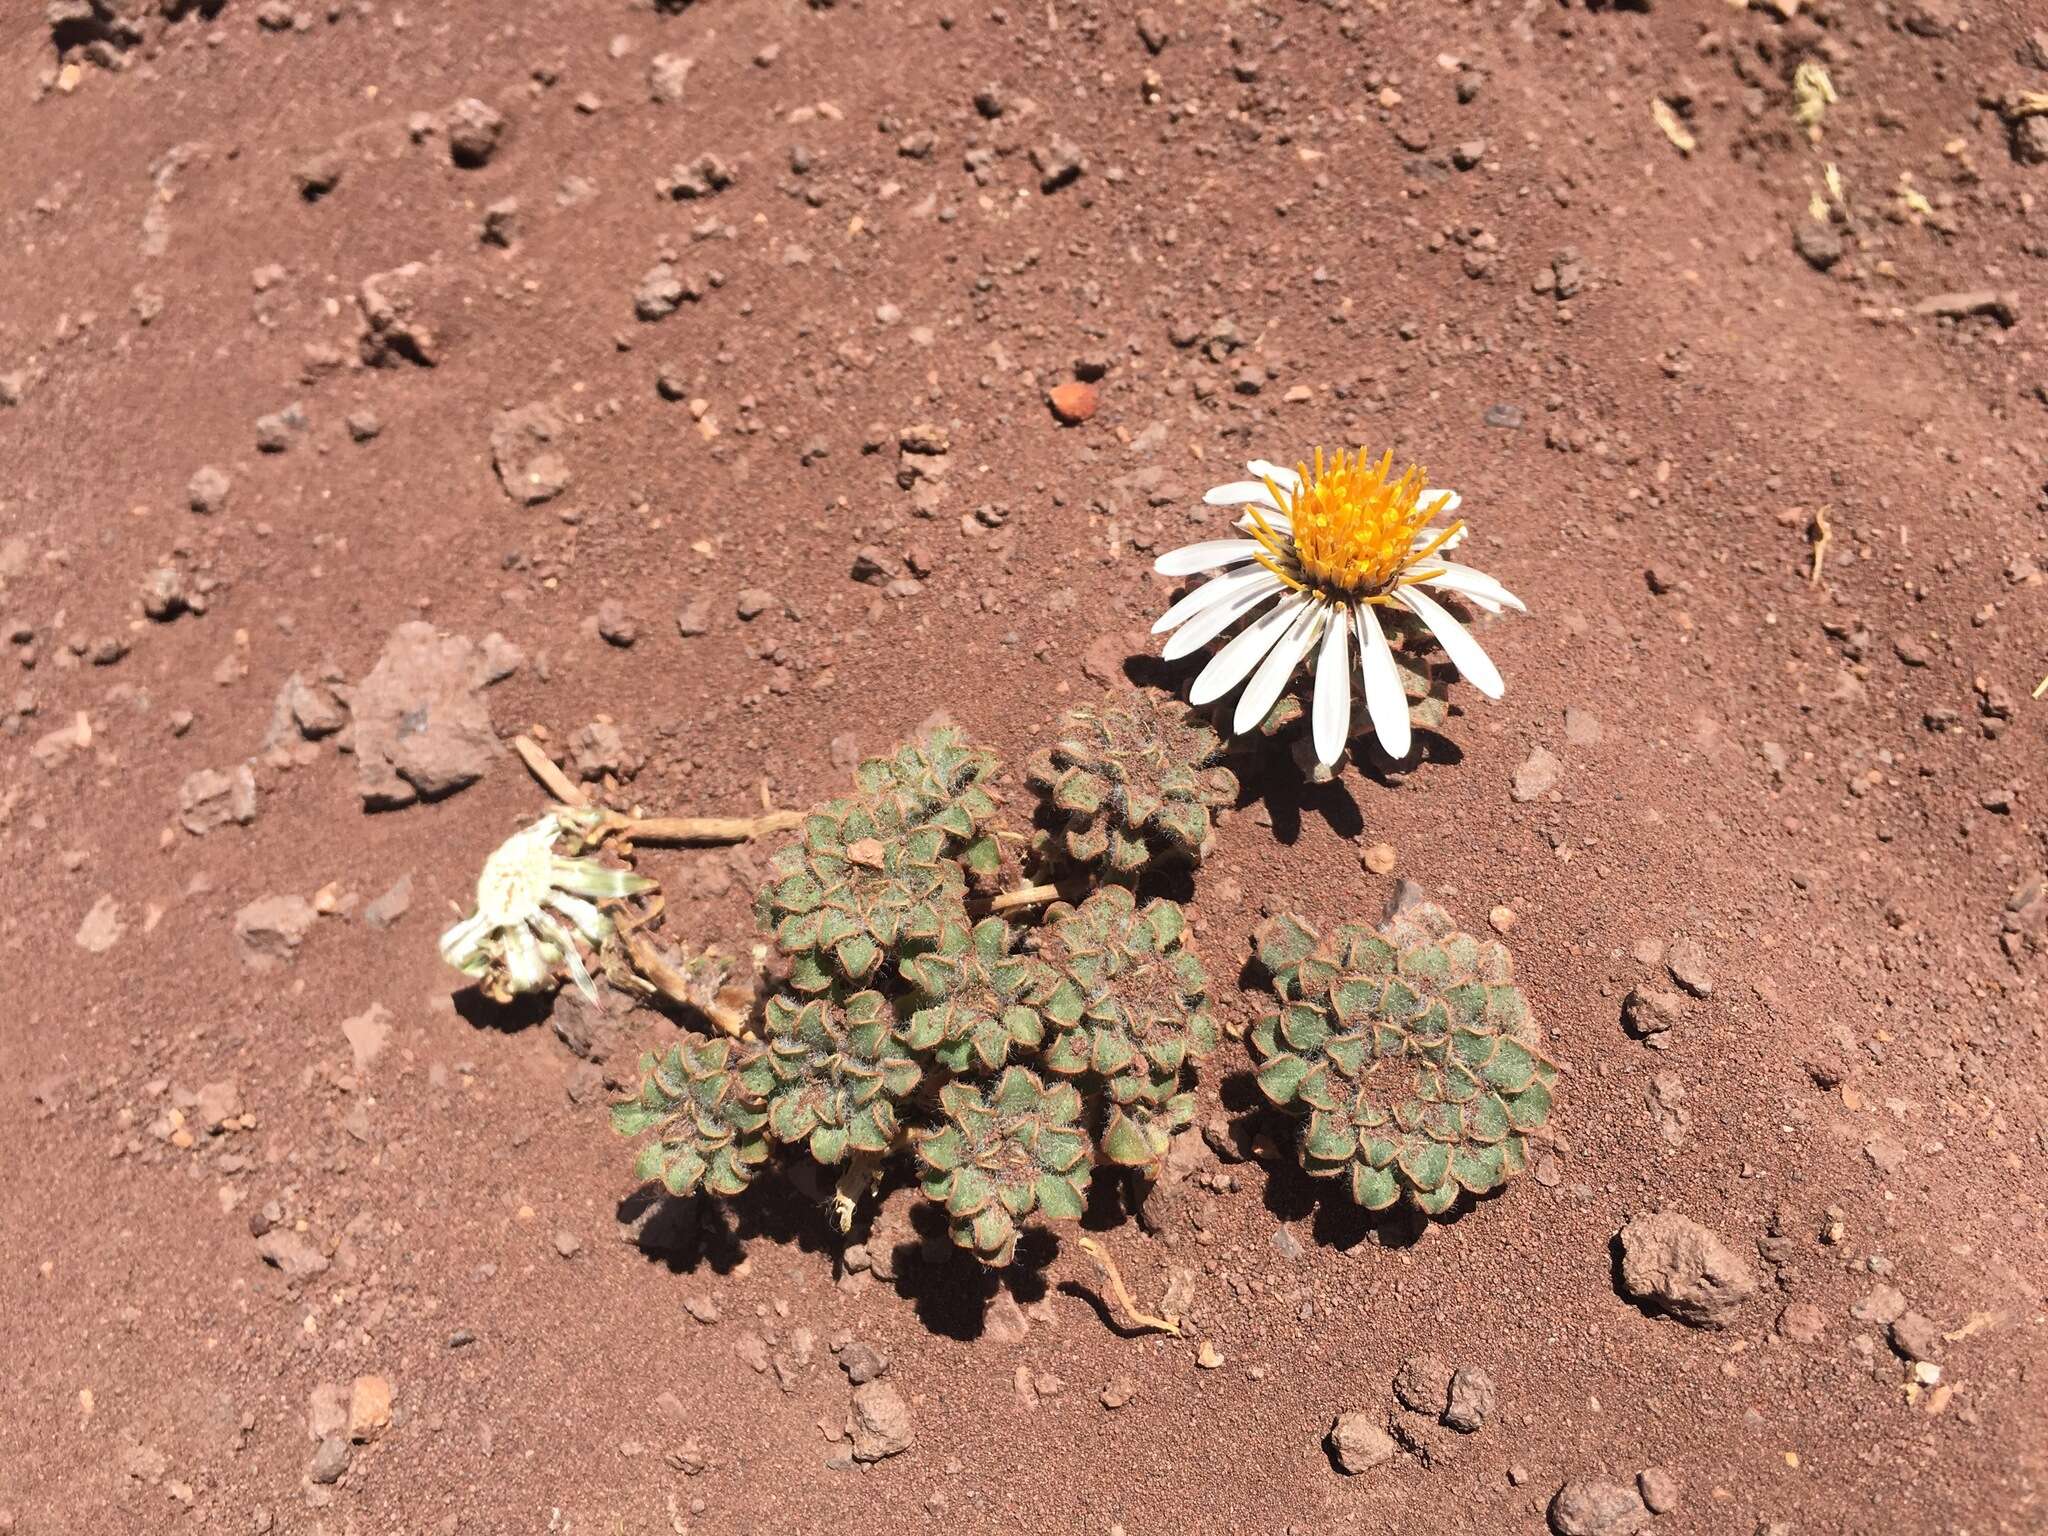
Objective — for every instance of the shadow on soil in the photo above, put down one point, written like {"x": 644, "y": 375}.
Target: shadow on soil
{"x": 1262, "y": 1134}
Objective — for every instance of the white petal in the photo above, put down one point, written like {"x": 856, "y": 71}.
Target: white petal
{"x": 1431, "y": 494}
{"x": 1287, "y": 479}
{"x": 1463, "y": 650}
{"x": 1215, "y": 590}
{"x": 1270, "y": 681}
{"x": 1227, "y": 668}
{"x": 587, "y": 877}
{"x": 1238, "y": 493}
{"x": 589, "y": 921}
{"x": 1477, "y": 586}
{"x": 1279, "y": 522}
{"x": 1211, "y": 622}
{"x": 1210, "y": 555}
{"x": 570, "y": 957}
{"x": 1385, "y": 702}
{"x": 463, "y": 943}
{"x": 1332, "y": 720}
{"x": 525, "y": 966}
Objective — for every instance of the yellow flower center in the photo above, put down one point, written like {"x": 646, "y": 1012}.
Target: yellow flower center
{"x": 1355, "y": 529}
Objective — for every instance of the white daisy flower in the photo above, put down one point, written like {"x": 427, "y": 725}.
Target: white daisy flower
{"x": 1326, "y": 548}
{"x": 530, "y": 911}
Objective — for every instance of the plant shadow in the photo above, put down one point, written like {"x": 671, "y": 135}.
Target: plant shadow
{"x": 523, "y": 1012}
{"x": 1264, "y": 1135}
{"x": 952, "y": 1292}
{"x": 686, "y": 1233}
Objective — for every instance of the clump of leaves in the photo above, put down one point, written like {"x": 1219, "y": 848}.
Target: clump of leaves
{"x": 704, "y": 1103}
{"x": 1131, "y": 782}
{"x": 837, "y": 1075}
{"x": 1002, "y": 1152}
{"x": 1011, "y": 1068}
{"x": 976, "y": 1001}
{"x": 1130, "y": 1010}
{"x": 1409, "y": 1055}
{"x": 939, "y": 780}
{"x": 858, "y": 889}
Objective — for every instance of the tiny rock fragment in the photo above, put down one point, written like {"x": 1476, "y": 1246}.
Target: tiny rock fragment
{"x": 474, "y": 130}
{"x": 209, "y": 798}
{"x": 326, "y": 1412}
{"x": 1358, "y": 1442}
{"x": 1687, "y": 962}
{"x": 1648, "y": 1012}
{"x": 1999, "y": 305}
{"x": 1423, "y": 1384}
{"x": 1119, "y": 1392}
{"x": 1536, "y": 776}
{"x": 314, "y": 710}
{"x": 164, "y": 596}
{"x": 207, "y": 492}
{"x": 287, "y": 1250}
{"x": 366, "y": 1033}
{"x": 1072, "y": 402}
{"x": 616, "y": 625}
{"x": 662, "y": 291}
{"x": 1916, "y": 1336}
{"x": 404, "y": 315}
{"x": 1801, "y": 1323}
{"x": 1472, "y": 1399}
{"x": 1379, "y": 858}
{"x": 1684, "y": 1269}
{"x": 500, "y": 223}
{"x": 101, "y": 928}
{"x": 862, "y": 1362}
{"x": 269, "y": 930}
{"x": 1659, "y": 1490}
{"x": 753, "y": 602}
{"x": 1059, "y": 163}
{"x": 422, "y": 728}
{"x": 317, "y": 175}
{"x": 667, "y": 75}
{"x": 1590, "y": 1506}
{"x": 330, "y": 1460}
{"x": 369, "y": 1408}
{"x": 1817, "y": 244}
{"x": 384, "y": 911}
{"x": 880, "y": 1423}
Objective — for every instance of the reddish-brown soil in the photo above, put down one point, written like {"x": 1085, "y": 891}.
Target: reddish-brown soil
{"x": 1615, "y": 352}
